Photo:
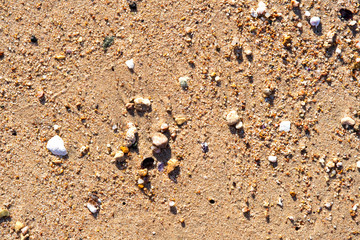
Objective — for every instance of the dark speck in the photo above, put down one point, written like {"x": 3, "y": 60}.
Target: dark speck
{"x": 161, "y": 167}
{"x": 33, "y": 39}
{"x": 346, "y": 14}
{"x": 204, "y": 147}
{"x": 133, "y": 6}
{"x": 147, "y": 163}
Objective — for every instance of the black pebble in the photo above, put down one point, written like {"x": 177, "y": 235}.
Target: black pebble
{"x": 346, "y": 14}
{"x": 147, "y": 163}
{"x": 133, "y": 7}
{"x": 33, "y": 39}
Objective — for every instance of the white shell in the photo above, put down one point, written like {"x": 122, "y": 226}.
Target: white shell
{"x": 285, "y": 126}
{"x": 92, "y": 208}
{"x": 272, "y": 159}
{"x": 56, "y": 146}
{"x": 315, "y": 21}
{"x": 130, "y": 64}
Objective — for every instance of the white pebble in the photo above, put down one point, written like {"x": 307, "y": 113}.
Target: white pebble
{"x": 142, "y": 104}
{"x": 358, "y": 164}
{"x": 261, "y": 8}
{"x": 159, "y": 140}
{"x": 171, "y": 203}
{"x": 272, "y": 159}
{"x": 328, "y": 205}
{"x": 315, "y": 21}
{"x": 280, "y": 203}
{"x": 232, "y": 118}
{"x": 56, "y": 146}
{"x": 285, "y": 126}
{"x": 347, "y": 121}
{"x": 130, "y": 136}
{"x": 92, "y": 208}
{"x": 239, "y": 125}
{"x": 56, "y": 127}
{"x": 141, "y": 181}
{"x": 307, "y": 14}
{"x": 130, "y": 64}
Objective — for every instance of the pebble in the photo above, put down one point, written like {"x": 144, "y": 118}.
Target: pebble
{"x": 93, "y": 209}
{"x": 84, "y": 150}
{"x": 172, "y": 164}
{"x": 280, "y": 202}
{"x": 56, "y": 127}
{"x": 18, "y": 226}
{"x": 159, "y": 140}
{"x": 4, "y": 213}
{"x": 347, "y": 121}
{"x": 239, "y": 125}
{"x": 142, "y": 104}
{"x": 133, "y": 6}
{"x": 330, "y": 164}
{"x": 328, "y": 205}
{"x": 232, "y": 118}
{"x": 315, "y": 21}
{"x": 204, "y": 147}
{"x": 56, "y": 146}
{"x": 130, "y": 136}
{"x": 180, "y": 120}
{"x": 184, "y": 82}
{"x": 307, "y": 14}
{"x": 358, "y": 164}
{"x": 272, "y": 159}
{"x": 119, "y": 156}
{"x": 164, "y": 127}
{"x": 285, "y": 126}
{"x": 261, "y": 8}
{"x": 130, "y": 64}
{"x": 171, "y": 203}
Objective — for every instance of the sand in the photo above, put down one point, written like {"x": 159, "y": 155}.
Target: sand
{"x": 272, "y": 68}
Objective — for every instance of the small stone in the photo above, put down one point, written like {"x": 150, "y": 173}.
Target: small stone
{"x": 247, "y": 51}
{"x": 142, "y": 104}
{"x": 328, "y": 205}
{"x": 25, "y": 230}
{"x": 180, "y": 120}
{"x": 33, "y": 39}
{"x": 119, "y": 156}
{"x": 56, "y": 127}
{"x": 143, "y": 172}
{"x": 204, "y": 147}
{"x": 358, "y": 164}
{"x": 159, "y": 140}
{"x": 172, "y": 164}
{"x": 330, "y": 164}
{"x": 232, "y": 118}
{"x": 280, "y": 202}
{"x": 352, "y": 23}
{"x": 347, "y": 121}
{"x": 267, "y": 92}
{"x": 295, "y": 3}
{"x": 292, "y": 194}
{"x": 130, "y": 64}
{"x": 307, "y": 14}
{"x": 130, "y": 136}
{"x": 56, "y": 146}
{"x": 315, "y": 21}
{"x": 171, "y": 203}
{"x": 140, "y": 181}
{"x": 4, "y": 213}
{"x": 18, "y": 226}
{"x": 59, "y": 57}
{"x": 239, "y": 125}
{"x": 164, "y": 127}
{"x": 261, "y": 8}
{"x": 285, "y": 126}
{"x": 93, "y": 209}
{"x": 124, "y": 149}
{"x": 84, "y": 150}
{"x": 184, "y": 82}
{"x": 1, "y": 54}
{"x": 272, "y": 159}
